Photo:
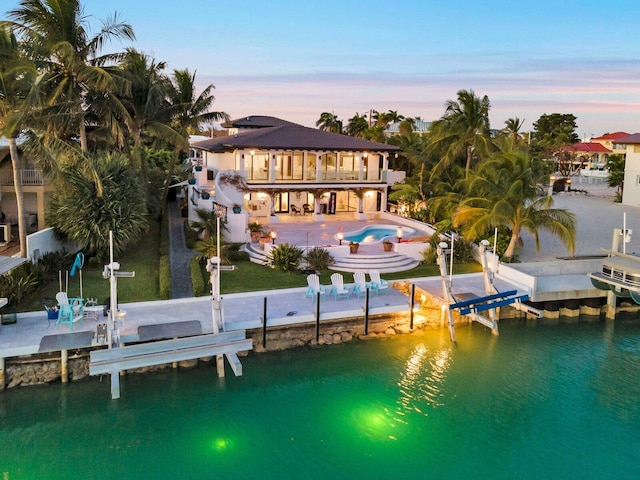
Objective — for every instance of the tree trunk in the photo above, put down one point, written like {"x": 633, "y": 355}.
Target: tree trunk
{"x": 508, "y": 254}
{"x": 467, "y": 168}
{"x": 17, "y": 183}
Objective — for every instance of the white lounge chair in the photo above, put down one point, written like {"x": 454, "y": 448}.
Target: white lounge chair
{"x": 359, "y": 284}
{"x": 337, "y": 287}
{"x": 378, "y": 284}
{"x": 314, "y": 287}
{"x": 70, "y": 310}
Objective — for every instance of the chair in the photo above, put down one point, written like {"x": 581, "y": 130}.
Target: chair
{"x": 359, "y": 284}
{"x": 306, "y": 208}
{"x": 70, "y": 310}
{"x": 295, "y": 210}
{"x": 337, "y": 287}
{"x": 378, "y": 284}
{"x": 314, "y": 287}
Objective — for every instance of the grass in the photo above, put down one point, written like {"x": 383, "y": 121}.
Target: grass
{"x": 141, "y": 258}
{"x": 250, "y": 276}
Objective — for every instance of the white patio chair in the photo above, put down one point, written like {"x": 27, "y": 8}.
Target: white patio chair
{"x": 314, "y": 287}
{"x": 337, "y": 287}
{"x": 378, "y": 284}
{"x": 359, "y": 284}
{"x": 70, "y": 310}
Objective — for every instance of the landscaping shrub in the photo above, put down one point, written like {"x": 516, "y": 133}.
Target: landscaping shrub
{"x": 318, "y": 258}
{"x": 190, "y": 235}
{"x": 21, "y": 281}
{"x": 53, "y": 262}
{"x": 164, "y": 277}
{"x": 285, "y": 257}
{"x": 197, "y": 279}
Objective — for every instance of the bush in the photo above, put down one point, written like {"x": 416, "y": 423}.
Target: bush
{"x": 197, "y": 279}
{"x": 53, "y": 262}
{"x": 164, "y": 277}
{"x": 318, "y": 258}
{"x": 18, "y": 283}
{"x": 285, "y": 257}
{"x": 190, "y": 235}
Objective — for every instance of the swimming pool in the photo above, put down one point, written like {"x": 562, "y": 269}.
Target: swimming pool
{"x": 557, "y": 401}
{"x": 375, "y": 233}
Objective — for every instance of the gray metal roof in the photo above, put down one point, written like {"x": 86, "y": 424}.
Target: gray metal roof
{"x": 256, "y": 121}
{"x": 292, "y": 137}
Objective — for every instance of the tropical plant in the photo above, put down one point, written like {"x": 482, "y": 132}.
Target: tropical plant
{"x": 285, "y": 257}
{"x": 318, "y": 258}
{"x": 357, "y": 126}
{"x": 329, "y": 122}
{"x": 501, "y": 194}
{"x": 99, "y": 196}
{"x": 207, "y": 223}
{"x": 463, "y": 131}
{"x": 615, "y": 165}
{"x": 72, "y": 64}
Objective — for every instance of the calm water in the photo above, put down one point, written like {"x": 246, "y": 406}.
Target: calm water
{"x": 537, "y": 402}
{"x": 374, "y": 233}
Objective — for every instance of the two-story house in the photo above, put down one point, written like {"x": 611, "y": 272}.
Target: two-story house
{"x": 267, "y": 166}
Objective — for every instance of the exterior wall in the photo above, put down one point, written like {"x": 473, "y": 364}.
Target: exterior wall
{"x": 631, "y": 193}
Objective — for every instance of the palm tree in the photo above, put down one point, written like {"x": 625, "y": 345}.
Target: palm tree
{"x": 501, "y": 194}
{"x": 17, "y": 102}
{"x": 512, "y": 129}
{"x": 463, "y": 130}
{"x": 357, "y": 125}
{"x": 329, "y": 122}
{"x": 189, "y": 110}
{"x": 72, "y": 62}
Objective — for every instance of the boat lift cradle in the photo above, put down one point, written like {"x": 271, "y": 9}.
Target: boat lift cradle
{"x": 489, "y": 303}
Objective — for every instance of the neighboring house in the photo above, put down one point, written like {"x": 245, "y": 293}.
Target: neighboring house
{"x": 288, "y": 168}
{"x": 34, "y": 186}
{"x": 631, "y": 192}
{"x": 586, "y": 158}
{"x": 609, "y": 141}
{"x": 419, "y": 126}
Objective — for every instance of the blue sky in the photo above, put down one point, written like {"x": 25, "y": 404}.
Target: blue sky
{"x": 297, "y": 59}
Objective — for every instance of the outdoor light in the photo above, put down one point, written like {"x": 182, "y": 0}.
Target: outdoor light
{"x": 552, "y": 180}
{"x": 399, "y": 233}
{"x": 340, "y": 236}
{"x": 273, "y": 236}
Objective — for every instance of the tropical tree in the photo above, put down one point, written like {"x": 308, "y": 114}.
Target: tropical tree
{"x": 101, "y": 195}
{"x": 17, "y": 77}
{"x": 72, "y": 63}
{"x": 615, "y": 165}
{"x": 463, "y": 130}
{"x": 357, "y": 126}
{"x": 501, "y": 194}
{"x": 329, "y": 122}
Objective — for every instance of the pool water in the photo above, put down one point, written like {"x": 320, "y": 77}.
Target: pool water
{"x": 536, "y": 402}
{"x": 374, "y": 233}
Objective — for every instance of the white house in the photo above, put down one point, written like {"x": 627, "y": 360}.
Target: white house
{"x": 267, "y": 166}
{"x": 631, "y": 192}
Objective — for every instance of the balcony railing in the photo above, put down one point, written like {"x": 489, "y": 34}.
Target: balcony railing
{"x": 28, "y": 177}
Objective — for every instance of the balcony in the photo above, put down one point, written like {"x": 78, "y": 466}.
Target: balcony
{"x": 28, "y": 177}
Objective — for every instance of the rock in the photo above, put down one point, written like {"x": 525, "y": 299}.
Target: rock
{"x": 337, "y": 338}
{"x": 390, "y": 331}
{"x": 346, "y": 337}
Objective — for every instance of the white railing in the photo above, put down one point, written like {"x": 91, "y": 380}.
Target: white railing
{"x": 27, "y": 177}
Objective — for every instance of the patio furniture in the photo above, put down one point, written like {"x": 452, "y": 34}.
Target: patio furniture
{"x": 378, "y": 284}
{"x": 91, "y": 309}
{"x": 359, "y": 284}
{"x": 70, "y": 310}
{"x": 295, "y": 210}
{"x": 306, "y": 208}
{"x": 314, "y": 287}
{"x": 337, "y": 287}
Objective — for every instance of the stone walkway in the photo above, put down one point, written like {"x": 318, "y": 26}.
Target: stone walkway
{"x": 179, "y": 254}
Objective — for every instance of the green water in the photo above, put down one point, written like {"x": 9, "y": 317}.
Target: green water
{"x": 559, "y": 402}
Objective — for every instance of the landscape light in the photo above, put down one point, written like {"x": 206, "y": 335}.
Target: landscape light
{"x": 340, "y": 236}
{"x": 399, "y": 233}
{"x": 273, "y": 236}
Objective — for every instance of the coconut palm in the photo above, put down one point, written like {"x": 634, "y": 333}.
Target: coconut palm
{"x": 512, "y": 130}
{"x": 357, "y": 125}
{"x": 329, "y": 122}
{"x": 17, "y": 77}
{"x": 189, "y": 110}
{"x": 501, "y": 193}
{"x": 72, "y": 63}
{"x": 463, "y": 130}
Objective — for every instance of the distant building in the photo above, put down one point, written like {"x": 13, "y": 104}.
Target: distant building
{"x": 419, "y": 126}
{"x": 631, "y": 145}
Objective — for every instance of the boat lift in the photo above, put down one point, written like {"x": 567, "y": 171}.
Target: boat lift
{"x": 472, "y": 307}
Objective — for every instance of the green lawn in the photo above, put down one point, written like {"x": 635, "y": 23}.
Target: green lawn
{"x": 250, "y": 276}
{"x": 141, "y": 258}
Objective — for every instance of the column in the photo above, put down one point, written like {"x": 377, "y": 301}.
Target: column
{"x": 272, "y": 167}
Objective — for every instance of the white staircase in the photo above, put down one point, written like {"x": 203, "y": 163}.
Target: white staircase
{"x": 384, "y": 262}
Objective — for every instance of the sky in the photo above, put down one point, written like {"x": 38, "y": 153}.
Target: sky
{"x": 296, "y": 59}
